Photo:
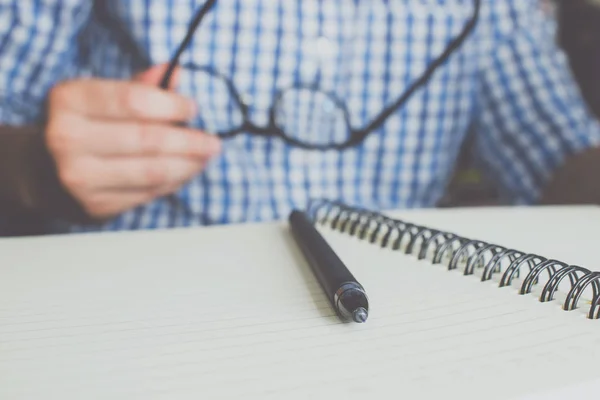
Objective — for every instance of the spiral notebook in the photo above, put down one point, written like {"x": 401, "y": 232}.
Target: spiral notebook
{"x": 234, "y": 312}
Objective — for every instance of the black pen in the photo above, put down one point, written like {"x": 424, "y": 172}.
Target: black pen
{"x": 346, "y": 295}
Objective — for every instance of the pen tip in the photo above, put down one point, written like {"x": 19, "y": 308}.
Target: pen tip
{"x": 360, "y": 315}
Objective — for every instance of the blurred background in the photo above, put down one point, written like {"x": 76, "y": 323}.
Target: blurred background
{"x": 579, "y": 35}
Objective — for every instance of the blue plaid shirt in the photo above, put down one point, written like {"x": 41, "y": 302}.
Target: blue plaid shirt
{"x": 508, "y": 84}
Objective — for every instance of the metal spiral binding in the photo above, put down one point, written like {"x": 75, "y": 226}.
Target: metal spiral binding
{"x": 453, "y": 249}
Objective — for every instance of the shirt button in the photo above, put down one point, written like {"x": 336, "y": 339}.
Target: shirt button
{"x": 247, "y": 99}
{"x": 325, "y": 48}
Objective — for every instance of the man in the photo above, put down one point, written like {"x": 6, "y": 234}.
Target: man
{"x": 306, "y": 91}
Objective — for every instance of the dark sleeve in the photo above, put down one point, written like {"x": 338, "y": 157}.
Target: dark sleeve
{"x": 38, "y": 48}
{"x": 29, "y": 185}
{"x": 532, "y": 118}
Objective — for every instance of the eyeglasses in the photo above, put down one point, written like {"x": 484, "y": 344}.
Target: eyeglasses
{"x": 319, "y": 120}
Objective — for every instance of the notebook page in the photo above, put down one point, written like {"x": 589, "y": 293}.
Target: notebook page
{"x": 232, "y": 312}
{"x": 483, "y": 337}
{"x": 562, "y": 232}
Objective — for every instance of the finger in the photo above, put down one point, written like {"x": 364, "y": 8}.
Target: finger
{"x": 154, "y": 75}
{"x": 106, "y": 99}
{"x": 106, "y": 204}
{"x": 117, "y": 139}
{"x": 141, "y": 173}
{"x": 174, "y": 186}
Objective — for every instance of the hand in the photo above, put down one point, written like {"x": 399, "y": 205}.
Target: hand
{"x": 116, "y": 145}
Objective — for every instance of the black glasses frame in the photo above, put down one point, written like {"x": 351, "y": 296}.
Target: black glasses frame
{"x": 356, "y": 136}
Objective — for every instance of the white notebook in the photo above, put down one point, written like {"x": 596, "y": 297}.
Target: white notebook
{"x": 234, "y": 312}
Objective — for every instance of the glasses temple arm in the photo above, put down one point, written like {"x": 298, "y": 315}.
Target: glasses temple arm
{"x": 430, "y": 70}
{"x": 164, "y": 84}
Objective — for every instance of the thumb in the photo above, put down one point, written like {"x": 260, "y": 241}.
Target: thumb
{"x": 154, "y": 75}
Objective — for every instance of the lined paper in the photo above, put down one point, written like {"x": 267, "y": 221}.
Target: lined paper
{"x": 234, "y": 312}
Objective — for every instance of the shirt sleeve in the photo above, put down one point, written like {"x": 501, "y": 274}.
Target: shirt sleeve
{"x": 531, "y": 114}
{"x": 38, "y": 48}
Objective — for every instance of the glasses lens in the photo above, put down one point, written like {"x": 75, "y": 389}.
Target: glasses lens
{"x": 218, "y": 110}
{"x": 312, "y": 117}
